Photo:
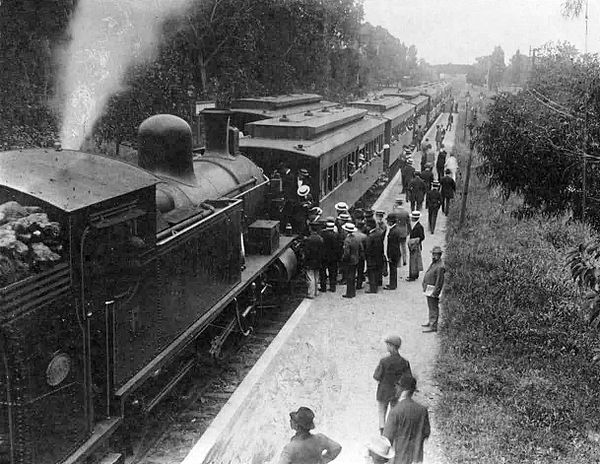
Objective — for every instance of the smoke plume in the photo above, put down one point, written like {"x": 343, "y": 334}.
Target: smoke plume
{"x": 107, "y": 36}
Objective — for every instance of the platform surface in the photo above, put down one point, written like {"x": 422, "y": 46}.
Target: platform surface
{"x": 324, "y": 359}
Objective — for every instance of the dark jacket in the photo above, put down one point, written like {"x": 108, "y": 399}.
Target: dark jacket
{"x": 362, "y": 238}
{"x": 433, "y": 200}
{"x": 403, "y": 222}
{"x": 332, "y": 246}
{"x": 418, "y": 232}
{"x": 388, "y": 372}
{"x": 351, "y": 250}
{"x": 393, "y": 243}
{"x": 435, "y": 276}
{"x": 408, "y": 172}
{"x": 427, "y": 177}
{"x": 305, "y": 448}
{"x": 313, "y": 251}
{"x": 448, "y": 187}
{"x": 407, "y": 426}
{"x": 374, "y": 249}
{"x": 417, "y": 189}
{"x": 441, "y": 160}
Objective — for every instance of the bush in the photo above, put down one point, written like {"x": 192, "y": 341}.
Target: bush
{"x": 514, "y": 339}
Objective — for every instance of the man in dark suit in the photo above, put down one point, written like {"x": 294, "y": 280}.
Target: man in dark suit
{"x": 332, "y": 253}
{"x": 360, "y": 267}
{"x": 427, "y": 176}
{"x": 313, "y": 253}
{"x": 352, "y": 251}
{"x": 393, "y": 251}
{"x": 404, "y": 227}
{"x": 416, "y": 190}
{"x": 407, "y": 425}
{"x": 408, "y": 172}
{"x": 433, "y": 203}
{"x": 374, "y": 255}
{"x": 448, "y": 189}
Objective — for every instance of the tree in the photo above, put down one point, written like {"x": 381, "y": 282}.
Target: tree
{"x": 496, "y": 68}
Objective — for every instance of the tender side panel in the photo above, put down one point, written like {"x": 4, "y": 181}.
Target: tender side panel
{"x": 193, "y": 270}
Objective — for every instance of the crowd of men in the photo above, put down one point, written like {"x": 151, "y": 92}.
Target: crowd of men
{"x": 360, "y": 248}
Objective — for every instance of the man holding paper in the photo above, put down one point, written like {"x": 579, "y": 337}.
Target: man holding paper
{"x": 433, "y": 281}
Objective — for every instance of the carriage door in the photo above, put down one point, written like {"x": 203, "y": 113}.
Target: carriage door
{"x": 111, "y": 255}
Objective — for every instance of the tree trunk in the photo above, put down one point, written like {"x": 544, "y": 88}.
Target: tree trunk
{"x": 203, "y": 78}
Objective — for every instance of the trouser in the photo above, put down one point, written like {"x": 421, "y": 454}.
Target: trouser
{"x": 403, "y": 251}
{"x": 434, "y": 311}
{"x": 382, "y": 410}
{"x": 311, "y": 277}
{"x": 446, "y": 205}
{"x": 350, "y": 273}
{"x": 329, "y": 272}
{"x": 374, "y": 274}
{"x": 360, "y": 273}
{"x": 416, "y": 205}
{"x": 393, "y": 282}
{"x": 440, "y": 172}
{"x": 433, "y": 212}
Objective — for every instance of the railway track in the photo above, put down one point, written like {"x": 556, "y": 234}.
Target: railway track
{"x": 171, "y": 430}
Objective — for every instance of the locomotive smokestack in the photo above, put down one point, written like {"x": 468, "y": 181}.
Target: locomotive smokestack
{"x": 216, "y": 122}
{"x": 165, "y": 147}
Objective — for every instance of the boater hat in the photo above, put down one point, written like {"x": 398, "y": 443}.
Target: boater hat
{"x": 435, "y": 184}
{"x": 349, "y": 227}
{"x": 436, "y": 250}
{"x": 316, "y": 211}
{"x": 303, "y": 172}
{"x": 415, "y": 215}
{"x": 303, "y": 190}
{"x": 341, "y": 206}
{"x": 330, "y": 225}
{"x": 381, "y": 446}
{"x": 344, "y": 217}
{"x": 304, "y": 417}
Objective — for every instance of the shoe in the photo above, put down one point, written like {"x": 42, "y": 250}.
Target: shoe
{"x": 322, "y": 290}
{"x": 369, "y": 291}
{"x": 404, "y": 263}
{"x": 429, "y": 330}
{"x": 347, "y": 296}
{"x": 409, "y": 279}
{"x": 425, "y": 325}
{"x": 387, "y": 287}
{"x": 359, "y": 288}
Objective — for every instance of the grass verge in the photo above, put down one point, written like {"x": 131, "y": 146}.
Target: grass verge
{"x": 515, "y": 366}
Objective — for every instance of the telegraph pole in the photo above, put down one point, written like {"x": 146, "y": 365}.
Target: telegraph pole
{"x": 463, "y": 206}
{"x": 585, "y": 129}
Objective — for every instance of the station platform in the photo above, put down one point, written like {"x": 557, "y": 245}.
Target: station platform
{"x": 324, "y": 359}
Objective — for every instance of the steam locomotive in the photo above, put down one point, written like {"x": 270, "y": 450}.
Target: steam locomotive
{"x": 97, "y": 320}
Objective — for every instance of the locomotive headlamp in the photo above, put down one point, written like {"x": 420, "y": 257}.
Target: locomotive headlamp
{"x": 58, "y": 369}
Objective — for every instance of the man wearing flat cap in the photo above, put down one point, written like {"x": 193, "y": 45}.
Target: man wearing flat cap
{"x": 388, "y": 372}
{"x": 433, "y": 281}
{"x": 306, "y": 447}
{"x": 407, "y": 425}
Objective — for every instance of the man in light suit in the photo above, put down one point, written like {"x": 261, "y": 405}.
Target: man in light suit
{"x": 407, "y": 424}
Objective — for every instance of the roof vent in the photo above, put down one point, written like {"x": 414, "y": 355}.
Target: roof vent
{"x": 325, "y": 110}
{"x": 300, "y": 147}
{"x": 308, "y": 113}
{"x": 284, "y": 118}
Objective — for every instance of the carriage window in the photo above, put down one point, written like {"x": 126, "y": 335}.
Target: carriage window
{"x": 344, "y": 168}
{"x": 330, "y": 178}
{"x": 323, "y": 182}
{"x": 336, "y": 169}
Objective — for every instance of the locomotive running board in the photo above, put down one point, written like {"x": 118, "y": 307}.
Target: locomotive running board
{"x": 102, "y": 430}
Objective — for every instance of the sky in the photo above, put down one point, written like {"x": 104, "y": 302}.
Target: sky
{"x": 458, "y": 31}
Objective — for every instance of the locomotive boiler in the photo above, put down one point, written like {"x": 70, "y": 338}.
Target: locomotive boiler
{"x": 110, "y": 272}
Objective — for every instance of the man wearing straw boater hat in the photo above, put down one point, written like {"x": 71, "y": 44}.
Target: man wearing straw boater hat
{"x": 332, "y": 253}
{"x": 415, "y": 245}
{"x": 301, "y": 210}
{"x": 306, "y": 447}
{"x": 350, "y": 259}
{"x": 380, "y": 451}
